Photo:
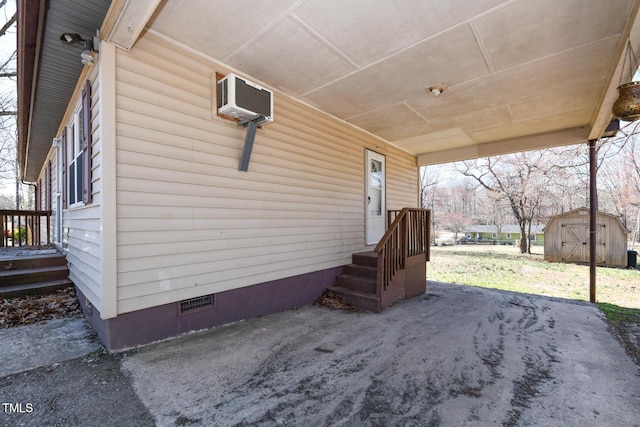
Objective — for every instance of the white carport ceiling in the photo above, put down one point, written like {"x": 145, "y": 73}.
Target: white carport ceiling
{"x": 519, "y": 74}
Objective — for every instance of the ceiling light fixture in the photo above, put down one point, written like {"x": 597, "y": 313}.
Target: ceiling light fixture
{"x": 437, "y": 89}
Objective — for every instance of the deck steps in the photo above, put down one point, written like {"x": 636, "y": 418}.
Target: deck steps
{"x": 33, "y": 274}
{"x": 361, "y": 270}
{"x": 358, "y": 283}
{"x": 40, "y": 288}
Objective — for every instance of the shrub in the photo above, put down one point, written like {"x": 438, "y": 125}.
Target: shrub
{"x": 19, "y": 234}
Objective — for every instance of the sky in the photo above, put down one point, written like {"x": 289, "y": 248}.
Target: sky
{"x": 7, "y": 47}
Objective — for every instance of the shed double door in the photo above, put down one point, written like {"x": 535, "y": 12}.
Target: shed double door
{"x": 575, "y": 243}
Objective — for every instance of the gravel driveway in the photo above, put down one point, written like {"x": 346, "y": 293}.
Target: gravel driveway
{"x": 455, "y": 356}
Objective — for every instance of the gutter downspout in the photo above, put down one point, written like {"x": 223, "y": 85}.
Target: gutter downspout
{"x": 31, "y": 184}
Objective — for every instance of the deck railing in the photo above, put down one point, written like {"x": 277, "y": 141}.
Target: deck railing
{"x": 407, "y": 236}
{"x": 25, "y": 228}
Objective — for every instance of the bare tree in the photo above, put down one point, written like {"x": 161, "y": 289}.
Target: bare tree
{"x": 456, "y": 221}
{"x": 8, "y": 95}
{"x": 529, "y": 188}
{"x": 429, "y": 179}
{"x": 520, "y": 179}
{"x": 7, "y": 139}
{"x": 621, "y": 180}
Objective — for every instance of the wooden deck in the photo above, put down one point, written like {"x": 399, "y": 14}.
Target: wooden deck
{"x": 26, "y": 251}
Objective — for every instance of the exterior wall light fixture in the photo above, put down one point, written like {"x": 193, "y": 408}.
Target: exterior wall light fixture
{"x": 88, "y": 55}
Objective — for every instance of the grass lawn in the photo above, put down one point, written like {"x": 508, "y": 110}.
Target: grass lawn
{"x": 503, "y": 267}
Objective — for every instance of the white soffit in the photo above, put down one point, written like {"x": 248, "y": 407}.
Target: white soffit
{"x": 517, "y": 70}
{"x": 132, "y": 19}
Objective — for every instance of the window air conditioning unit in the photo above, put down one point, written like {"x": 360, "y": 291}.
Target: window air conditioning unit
{"x": 244, "y": 100}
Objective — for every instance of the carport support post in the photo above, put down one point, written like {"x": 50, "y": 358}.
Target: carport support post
{"x": 593, "y": 208}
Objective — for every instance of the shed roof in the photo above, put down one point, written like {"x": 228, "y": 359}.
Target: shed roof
{"x": 585, "y": 211}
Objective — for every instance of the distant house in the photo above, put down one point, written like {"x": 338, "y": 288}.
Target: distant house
{"x": 507, "y": 234}
{"x": 568, "y": 238}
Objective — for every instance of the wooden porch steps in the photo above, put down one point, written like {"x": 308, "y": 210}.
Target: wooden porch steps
{"x": 358, "y": 283}
{"x": 395, "y": 270}
{"x": 33, "y": 274}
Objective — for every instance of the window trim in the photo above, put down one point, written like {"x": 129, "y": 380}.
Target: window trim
{"x": 65, "y": 181}
{"x": 77, "y": 153}
{"x": 86, "y": 145}
{"x": 74, "y": 160}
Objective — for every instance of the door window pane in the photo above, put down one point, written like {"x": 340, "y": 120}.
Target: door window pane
{"x": 376, "y": 174}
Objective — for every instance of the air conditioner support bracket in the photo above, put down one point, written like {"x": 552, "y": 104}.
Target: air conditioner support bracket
{"x": 252, "y": 126}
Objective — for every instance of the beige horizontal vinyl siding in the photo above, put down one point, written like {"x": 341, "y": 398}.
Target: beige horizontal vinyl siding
{"x": 190, "y": 223}
{"x": 402, "y": 179}
{"x": 81, "y": 225}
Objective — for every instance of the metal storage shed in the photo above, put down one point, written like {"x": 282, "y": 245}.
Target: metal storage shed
{"x": 566, "y": 238}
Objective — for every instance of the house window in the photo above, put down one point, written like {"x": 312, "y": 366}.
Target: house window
{"x": 494, "y": 235}
{"x": 76, "y": 153}
{"x": 508, "y": 235}
{"x": 532, "y": 237}
{"x": 74, "y": 157}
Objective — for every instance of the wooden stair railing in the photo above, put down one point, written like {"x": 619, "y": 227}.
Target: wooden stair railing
{"x": 395, "y": 270}
{"x": 407, "y": 236}
{"x": 25, "y": 228}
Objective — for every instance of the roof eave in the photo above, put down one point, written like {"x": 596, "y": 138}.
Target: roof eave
{"x": 31, "y": 15}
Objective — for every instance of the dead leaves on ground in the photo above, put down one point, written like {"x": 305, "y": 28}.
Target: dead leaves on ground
{"x": 27, "y": 310}
{"x": 332, "y": 300}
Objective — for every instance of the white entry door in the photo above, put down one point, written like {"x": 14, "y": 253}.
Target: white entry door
{"x": 375, "y": 217}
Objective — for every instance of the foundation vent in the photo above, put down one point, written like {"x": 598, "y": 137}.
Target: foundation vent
{"x": 195, "y": 304}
